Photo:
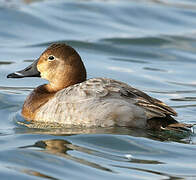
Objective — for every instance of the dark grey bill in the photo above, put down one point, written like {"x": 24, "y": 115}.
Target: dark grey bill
{"x": 30, "y": 71}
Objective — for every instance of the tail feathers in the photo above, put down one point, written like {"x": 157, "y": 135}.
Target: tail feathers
{"x": 179, "y": 127}
{"x": 167, "y": 123}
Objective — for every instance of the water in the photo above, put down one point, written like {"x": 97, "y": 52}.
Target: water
{"x": 150, "y": 45}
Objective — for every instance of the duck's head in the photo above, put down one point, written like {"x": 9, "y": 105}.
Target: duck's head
{"x": 60, "y": 64}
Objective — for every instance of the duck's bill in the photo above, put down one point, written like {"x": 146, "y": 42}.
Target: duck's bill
{"x": 30, "y": 71}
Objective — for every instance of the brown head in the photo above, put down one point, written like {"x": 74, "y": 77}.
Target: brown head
{"x": 60, "y": 64}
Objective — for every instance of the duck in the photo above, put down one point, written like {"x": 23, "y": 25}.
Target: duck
{"x": 73, "y": 100}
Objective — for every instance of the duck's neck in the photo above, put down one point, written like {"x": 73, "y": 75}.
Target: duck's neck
{"x": 53, "y": 88}
{"x": 63, "y": 80}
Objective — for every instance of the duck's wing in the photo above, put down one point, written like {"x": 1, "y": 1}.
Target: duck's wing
{"x": 153, "y": 106}
{"x": 107, "y": 87}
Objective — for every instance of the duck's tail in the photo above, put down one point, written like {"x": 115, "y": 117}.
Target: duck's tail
{"x": 179, "y": 127}
{"x": 168, "y": 123}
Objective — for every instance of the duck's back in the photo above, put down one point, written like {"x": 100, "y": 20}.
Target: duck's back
{"x": 102, "y": 102}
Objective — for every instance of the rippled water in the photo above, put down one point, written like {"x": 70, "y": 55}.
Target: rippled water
{"x": 150, "y": 45}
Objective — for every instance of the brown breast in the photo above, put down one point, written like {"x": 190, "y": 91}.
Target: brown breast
{"x": 38, "y": 97}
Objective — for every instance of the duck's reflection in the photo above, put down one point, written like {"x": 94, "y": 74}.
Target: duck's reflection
{"x": 38, "y": 174}
{"x": 61, "y": 148}
{"x": 64, "y": 148}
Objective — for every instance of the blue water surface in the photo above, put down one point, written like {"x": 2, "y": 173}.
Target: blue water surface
{"x": 149, "y": 44}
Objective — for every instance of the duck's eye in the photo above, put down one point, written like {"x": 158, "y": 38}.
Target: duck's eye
{"x": 51, "y": 58}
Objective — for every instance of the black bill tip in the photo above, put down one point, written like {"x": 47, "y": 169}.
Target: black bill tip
{"x": 15, "y": 75}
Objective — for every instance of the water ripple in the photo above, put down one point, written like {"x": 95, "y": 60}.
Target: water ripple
{"x": 149, "y": 44}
